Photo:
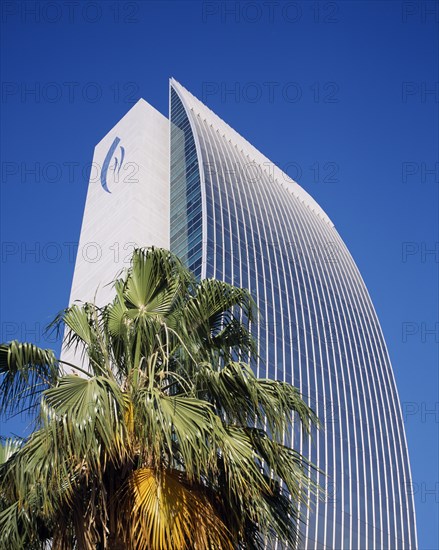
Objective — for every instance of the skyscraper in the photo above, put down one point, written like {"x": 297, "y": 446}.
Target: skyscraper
{"x": 229, "y": 213}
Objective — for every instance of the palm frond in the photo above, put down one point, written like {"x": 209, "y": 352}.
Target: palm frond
{"x": 8, "y": 447}
{"x": 208, "y": 309}
{"x": 18, "y": 529}
{"x": 151, "y": 271}
{"x": 177, "y": 427}
{"x": 163, "y": 512}
{"x": 241, "y": 397}
{"x": 85, "y": 334}
{"x": 91, "y": 413}
{"x": 25, "y": 372}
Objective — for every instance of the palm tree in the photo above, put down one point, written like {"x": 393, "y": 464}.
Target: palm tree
{"x": 161, "y": 437}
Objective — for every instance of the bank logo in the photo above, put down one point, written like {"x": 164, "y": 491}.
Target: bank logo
{"x": 117, "y": 163}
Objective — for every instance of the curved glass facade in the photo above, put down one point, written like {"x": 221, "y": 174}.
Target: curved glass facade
{"x": 186, "y": 228}
{"x": 236, "y": 217}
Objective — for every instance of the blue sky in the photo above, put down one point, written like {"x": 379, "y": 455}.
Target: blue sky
{"x": 342, "y": 95}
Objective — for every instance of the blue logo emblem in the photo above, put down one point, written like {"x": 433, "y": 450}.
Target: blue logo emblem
{"x": 117, "y": 164}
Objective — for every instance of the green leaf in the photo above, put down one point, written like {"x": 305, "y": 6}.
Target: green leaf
{"x": 25, "y": 372}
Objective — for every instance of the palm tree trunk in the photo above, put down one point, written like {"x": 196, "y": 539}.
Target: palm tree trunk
{"x": 114, "y": 539}
{"x": 115, "y": 543}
